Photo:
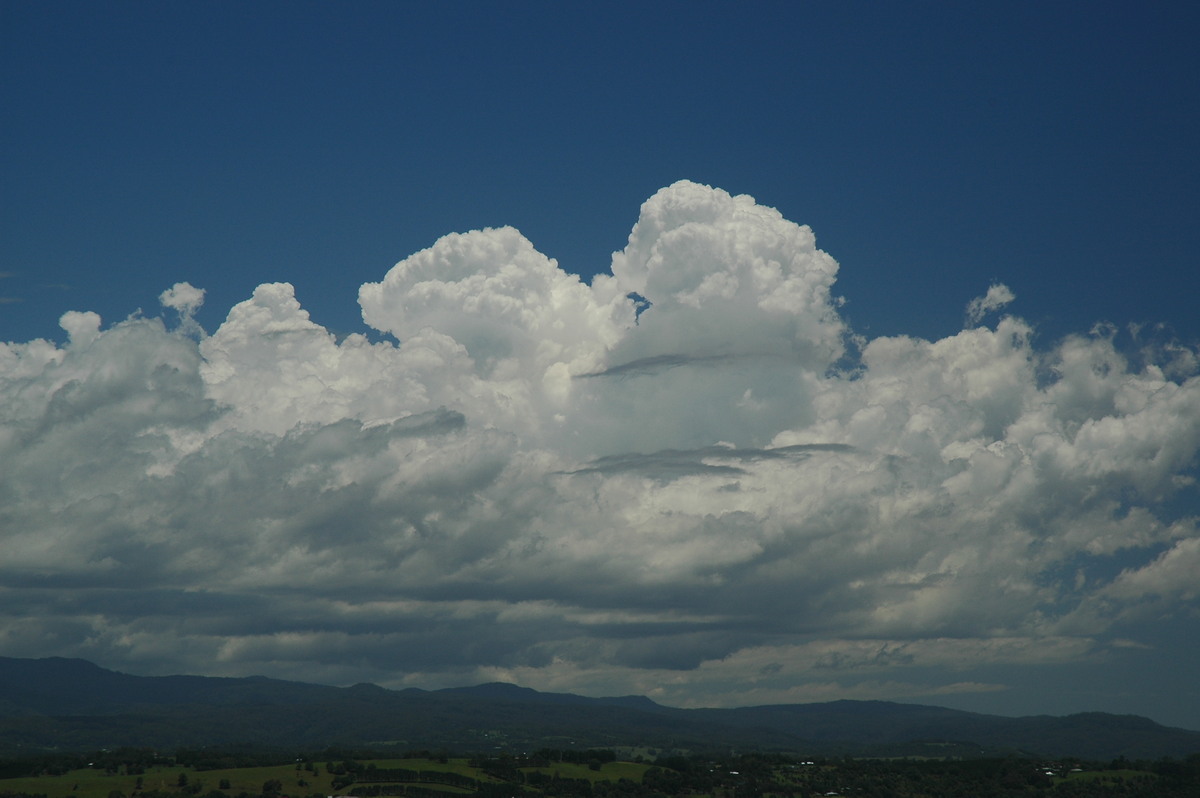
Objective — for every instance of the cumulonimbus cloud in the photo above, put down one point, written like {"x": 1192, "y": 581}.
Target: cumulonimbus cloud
{"x": 535, "y": 479}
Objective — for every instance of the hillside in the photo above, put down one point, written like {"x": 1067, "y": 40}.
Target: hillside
{"x": 70, "y": 704}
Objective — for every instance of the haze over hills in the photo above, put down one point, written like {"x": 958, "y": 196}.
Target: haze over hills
{"x": 70, "y": 704}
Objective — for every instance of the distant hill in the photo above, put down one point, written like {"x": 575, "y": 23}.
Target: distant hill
{"x": 72, "y": 704}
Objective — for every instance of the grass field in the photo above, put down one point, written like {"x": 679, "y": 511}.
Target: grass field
{"x": 90, "y": 783}
{"x": 609, "y": 771}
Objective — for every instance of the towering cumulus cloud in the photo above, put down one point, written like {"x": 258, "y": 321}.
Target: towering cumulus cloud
{"x": 687, "y": 479}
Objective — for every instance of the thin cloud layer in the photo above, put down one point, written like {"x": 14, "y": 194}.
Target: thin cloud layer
{"x": 688, "y": 479}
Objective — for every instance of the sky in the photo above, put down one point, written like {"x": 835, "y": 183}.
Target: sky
{"x": 727, "y": 354}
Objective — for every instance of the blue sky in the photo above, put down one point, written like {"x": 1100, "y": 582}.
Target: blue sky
{"x": 934, "y": 149}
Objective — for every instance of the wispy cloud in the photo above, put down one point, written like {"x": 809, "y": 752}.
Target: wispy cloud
{"x": 8, "y": 300}
{"x": 998, "y": 295}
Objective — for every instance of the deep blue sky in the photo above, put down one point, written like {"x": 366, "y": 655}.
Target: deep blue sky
{"x": 933, "y": 147}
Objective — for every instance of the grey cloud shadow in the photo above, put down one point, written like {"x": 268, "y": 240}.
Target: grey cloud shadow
{"x": 658, "y": 363}
{"x": 434, "y": 422}
{"x": 671, "y": 464}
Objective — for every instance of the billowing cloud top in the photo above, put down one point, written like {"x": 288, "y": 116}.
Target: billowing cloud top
{"x": 687, "y": 479}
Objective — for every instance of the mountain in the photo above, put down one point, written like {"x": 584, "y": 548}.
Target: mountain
{"x": 72, "y": 704}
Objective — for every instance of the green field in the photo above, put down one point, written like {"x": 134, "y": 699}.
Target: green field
{"x": 742, "y": 776}
{"x": 609, "y": 771}
{"x": 91, "y": 783}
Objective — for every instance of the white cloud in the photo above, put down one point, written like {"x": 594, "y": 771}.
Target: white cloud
{"x": 81, "y": 328}
{"x": 531, "y": 481}
{"x": 182, "y": 297}
{"x": 1172, "y": 576}
{"x": 998, "y": 295}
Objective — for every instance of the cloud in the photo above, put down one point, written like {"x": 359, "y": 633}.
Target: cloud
{"x": 998, "y": 295}
{"x": 717, "y": 500}
{"x": 182, "y": 297}
{"x": 712, "y": 460}
{"x": 1171, "y": 575}
{"x": 185, "y": 299}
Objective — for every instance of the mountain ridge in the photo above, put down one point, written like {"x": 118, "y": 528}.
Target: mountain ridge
{"x": 60, "y": 703}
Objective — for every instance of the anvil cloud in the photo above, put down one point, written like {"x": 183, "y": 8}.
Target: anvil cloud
{"x": 690, "y": 479}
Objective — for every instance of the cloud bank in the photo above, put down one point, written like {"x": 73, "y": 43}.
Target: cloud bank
{"x": 688, "y": 479}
